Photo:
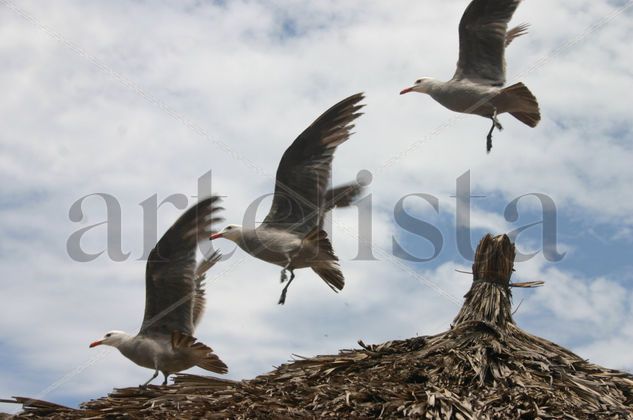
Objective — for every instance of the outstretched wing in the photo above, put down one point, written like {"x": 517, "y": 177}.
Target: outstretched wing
{"x": 482, "y": 41}
{"x": 199, "y": 300}
{"x": 516, "y": 32}
{"x": 305, "y": 169}
{"x": 170, "y": 287}
{"x": 342, "y": 196}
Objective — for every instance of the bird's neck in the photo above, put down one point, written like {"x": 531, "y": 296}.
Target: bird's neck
{"x": 124, "y": 340}
{"x": 239, "y": 237}
{"x": 433, "y": 86}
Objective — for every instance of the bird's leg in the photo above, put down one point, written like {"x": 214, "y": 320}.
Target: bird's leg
{"x": 489, "y": 138}
{"x": 282, "y": 298}
{"x": 150, "y": 379}
{"x": 284, "y": 276}
{"x": 495, "y": 123}
{"x": 166, "y": 376}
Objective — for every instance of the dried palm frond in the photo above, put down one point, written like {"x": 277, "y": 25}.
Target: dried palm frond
{"x": 483, "y": 367}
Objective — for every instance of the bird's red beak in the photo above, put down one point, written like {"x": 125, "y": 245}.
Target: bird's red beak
{"x": 215, "y": 236}
{"x": 96, "y": 343}
{"x": 407, "y": 90}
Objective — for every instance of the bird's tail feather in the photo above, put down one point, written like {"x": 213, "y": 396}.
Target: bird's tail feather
{"x": 331, "y": 274}
{"x": 526, "y": 105}
{"x": 201, "y": 354}
{"x": 326, "y": 264}
{"x": 529, "y": 119}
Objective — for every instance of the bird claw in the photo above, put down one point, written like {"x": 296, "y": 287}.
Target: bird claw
{"x": 495, "y": 124}
{"x": 284, "y": 276}
{"x": 489, "y": 143}
{"x": 282, "y": 297}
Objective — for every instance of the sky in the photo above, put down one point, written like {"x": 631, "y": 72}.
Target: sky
{"x": 138, "y": 101}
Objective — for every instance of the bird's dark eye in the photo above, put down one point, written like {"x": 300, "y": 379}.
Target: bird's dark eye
{"x": 417, "y": 82}
{"x": 229, "y": 228}
{"x": 108, "y": 335}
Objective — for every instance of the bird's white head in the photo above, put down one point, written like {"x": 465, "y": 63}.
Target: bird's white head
{"x": 423, "y": 85}
{"x": 231, "y": 232}
{"x": 111, "y": 338}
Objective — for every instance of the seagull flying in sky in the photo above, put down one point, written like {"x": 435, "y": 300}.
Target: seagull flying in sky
{"x": 292, "y": 234}
{"x": 477, "y": 86}
{"x": 174, "y": 300}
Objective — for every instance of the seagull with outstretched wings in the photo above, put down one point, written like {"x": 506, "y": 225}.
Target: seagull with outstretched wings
{"x": 174, "y": 300}
{"x": 478, "y": 84}
{"x": 292, "y": 234}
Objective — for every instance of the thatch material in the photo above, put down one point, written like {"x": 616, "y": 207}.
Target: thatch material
{"x": 484, "y": 367}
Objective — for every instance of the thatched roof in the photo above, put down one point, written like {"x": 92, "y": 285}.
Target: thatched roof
{"x": 483, "y": 367}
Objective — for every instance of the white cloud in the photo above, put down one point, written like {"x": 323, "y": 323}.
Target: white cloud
{"x": 590, "y": 315}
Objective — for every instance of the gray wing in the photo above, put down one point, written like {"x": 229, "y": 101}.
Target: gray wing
{"x": 170, "y": 286}
{"x": 482, "y": 41}
{"x": 516, "y": 32}
{"x": 199, "y": 300}
{"x": 342, "y": 196}
{"x": 305, "y": 169}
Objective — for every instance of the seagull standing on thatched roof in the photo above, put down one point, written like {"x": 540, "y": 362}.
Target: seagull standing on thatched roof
{"x": 477, "y": 86}
{"x": 174, "y": 300}
{"x": 292, "y": 234}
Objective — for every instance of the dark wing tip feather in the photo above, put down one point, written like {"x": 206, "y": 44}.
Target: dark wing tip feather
{"x": 333, "y": 123}
{"x": 354, "y": 99}
{"x": 347, "y": 106}
{"x": 190, "y": 228}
